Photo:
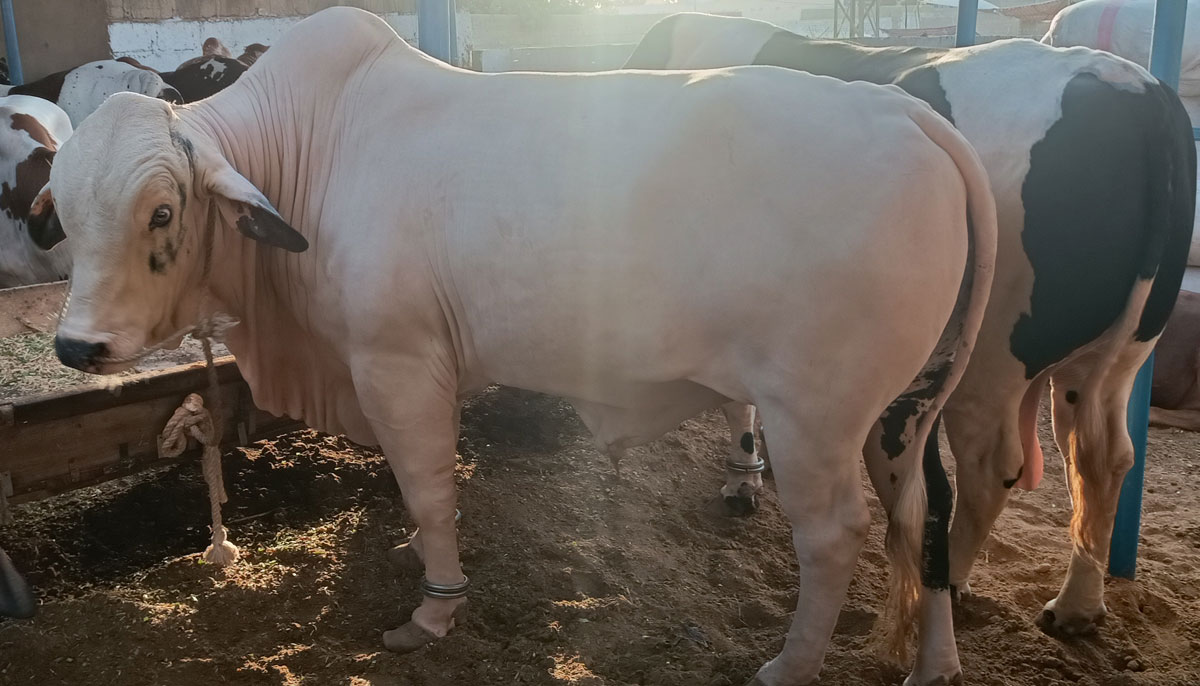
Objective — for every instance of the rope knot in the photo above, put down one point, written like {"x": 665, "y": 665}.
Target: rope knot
{"x": 194, "y": 420}
{"x": 191, "y": 419}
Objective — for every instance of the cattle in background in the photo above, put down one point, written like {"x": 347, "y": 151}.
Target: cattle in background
{"x": 201, "y": 79}
{"x": 80, "y": 91}
{"x": 1175, "y": 392}
{"x": 134, "y": 63}
{"x": 31, "y": 131}
{"x": 212, "y": 47}
{"x": 485, "y": 240}
{"x": 251, "y": 54}
{"x": 1124, "y": 27}
{"x": 1092, "y": 166}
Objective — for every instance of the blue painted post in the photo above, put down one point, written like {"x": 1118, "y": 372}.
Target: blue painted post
{"x": 1166, "y": 50}
{"x": 968, "y": 14}
{"x": 16, "y": 75}
{"x": 436, "y": 29}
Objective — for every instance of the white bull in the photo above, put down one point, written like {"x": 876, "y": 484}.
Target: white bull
{"x": 395, "y": 234}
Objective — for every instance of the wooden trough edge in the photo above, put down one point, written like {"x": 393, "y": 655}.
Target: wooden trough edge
{"x": 57, "y": 442}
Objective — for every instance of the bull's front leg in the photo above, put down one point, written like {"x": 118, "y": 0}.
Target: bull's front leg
{"x": 743, "y": 467}
{"x": 415, "y": 419}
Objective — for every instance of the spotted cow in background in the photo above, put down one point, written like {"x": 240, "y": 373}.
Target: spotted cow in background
{"x": 196, "y": 80}
{"x": 80, "y": 91}
{"x": 1092, "y": 167}
{"x": 1175, "y": 393}
{"x": 31, "y": 131}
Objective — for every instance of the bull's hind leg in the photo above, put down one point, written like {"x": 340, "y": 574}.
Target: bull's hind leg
{"x": 817, "y": 475}
{"x": 993, "y": 437}
{"x": 743, "y": 467}
{"x": 1091, "y": 431}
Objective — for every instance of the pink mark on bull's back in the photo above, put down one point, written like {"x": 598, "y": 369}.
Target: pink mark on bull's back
{"x": 1108, "y": 19}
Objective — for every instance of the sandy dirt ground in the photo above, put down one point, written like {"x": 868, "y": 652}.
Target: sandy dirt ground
{"x": 581, "y": 577}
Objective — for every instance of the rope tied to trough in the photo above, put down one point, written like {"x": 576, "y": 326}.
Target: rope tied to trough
{"x": 194, "y": 420}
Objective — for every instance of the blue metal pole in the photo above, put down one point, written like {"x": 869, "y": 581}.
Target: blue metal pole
{"x": 16, "y": 76}
{"x": 436, "y": 29}
{"x": 1166, "y": 51}
{"x": 968, "y": 14}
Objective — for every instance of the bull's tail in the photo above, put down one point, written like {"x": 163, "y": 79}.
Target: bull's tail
{"x": 941, "y": 374}
{"x": 1170, "y": 205}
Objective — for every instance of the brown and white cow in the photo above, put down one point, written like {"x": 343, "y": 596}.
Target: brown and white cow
{"x": 31, "y": 130}
{"x": 80, "y": 91}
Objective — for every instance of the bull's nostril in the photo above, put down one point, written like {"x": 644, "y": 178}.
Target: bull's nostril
{"x": 78, "y": 354}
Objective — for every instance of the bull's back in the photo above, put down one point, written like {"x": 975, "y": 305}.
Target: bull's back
{"x": 734, "y": 175}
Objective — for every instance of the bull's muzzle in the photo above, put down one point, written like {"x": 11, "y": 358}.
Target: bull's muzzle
{"x": 81, "y": 355}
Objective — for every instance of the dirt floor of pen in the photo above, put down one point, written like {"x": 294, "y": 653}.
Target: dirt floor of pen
{"x": 581, "y": 577}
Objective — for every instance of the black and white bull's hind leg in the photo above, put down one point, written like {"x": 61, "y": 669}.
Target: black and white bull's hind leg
{"x": 991, "y": 425}
{"x": 1089, "y": 401}
{"x": 743, "y": 467}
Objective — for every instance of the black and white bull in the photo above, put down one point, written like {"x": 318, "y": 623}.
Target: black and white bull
{"x": 1092, "y": 166}
{"x": 196, "y": 80}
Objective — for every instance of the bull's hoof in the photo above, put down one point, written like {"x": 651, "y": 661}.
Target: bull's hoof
{"x": 1062, "y": 625}
{"x": 405, "y": 560}
{"x": 741, "y": 505}
{"x": 407, "y": 638}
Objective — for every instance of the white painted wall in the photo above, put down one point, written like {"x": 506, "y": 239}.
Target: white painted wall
{"x": 165, "y": 44}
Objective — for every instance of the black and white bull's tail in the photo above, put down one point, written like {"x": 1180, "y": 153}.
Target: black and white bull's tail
{"x": 911, "y": 418}
{"x": 1170, "y": 208}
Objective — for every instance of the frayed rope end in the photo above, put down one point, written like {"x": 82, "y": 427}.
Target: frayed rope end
{"x": 221, "y": 552}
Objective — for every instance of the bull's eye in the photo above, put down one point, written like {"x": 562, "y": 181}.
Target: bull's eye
{"x": 161, "y": 217}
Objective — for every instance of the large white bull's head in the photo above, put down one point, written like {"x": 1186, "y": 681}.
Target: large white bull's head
{"x": 142, "y": 205}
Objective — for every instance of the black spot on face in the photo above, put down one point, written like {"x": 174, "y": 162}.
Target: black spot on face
{"x": 1072, "y": 397}
{"x": 892, "y": 478}
{"x": 157, "y": 264}
{"x": 748, "y": 443}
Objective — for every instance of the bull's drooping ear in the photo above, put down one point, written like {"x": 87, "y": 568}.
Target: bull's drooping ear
{"x": 249, "y": 210}
{"x": 44, "y": 227}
